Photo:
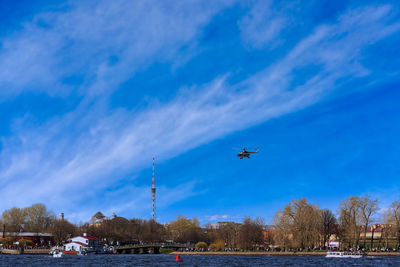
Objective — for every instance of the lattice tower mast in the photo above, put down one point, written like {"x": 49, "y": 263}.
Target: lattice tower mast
{"x": 153, "y": 194}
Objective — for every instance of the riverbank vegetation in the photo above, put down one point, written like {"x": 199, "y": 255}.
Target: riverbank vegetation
{"x": 358, "y": 223}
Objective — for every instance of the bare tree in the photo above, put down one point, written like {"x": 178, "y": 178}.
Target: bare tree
{"x": 283, "y": 225}
{"x": 39, "y": 218}
{"x": 298, "y": 224}
{"x": 210, "y": 232}
{"x": 136, "y": 229}
{"x": 349, "y": 210}
{"x": 153, "y": 232}
{"x": 185, "y": 230}
{"x": 328, "y": 225}
{"x": 368, "y": 207}
{"x": 250, "y": 233}
{"x": 14, "y": 219}
{"x": 307, "y": 221}
{"x": 394, "y": 218}
{"x": 228, "y": 232}
{"x": 62, "y": 230}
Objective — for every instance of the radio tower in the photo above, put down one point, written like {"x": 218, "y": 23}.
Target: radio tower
{"x": 153, "y": 194}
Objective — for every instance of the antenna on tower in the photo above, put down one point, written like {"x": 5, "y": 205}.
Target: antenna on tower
{"x": 153, "y": 193}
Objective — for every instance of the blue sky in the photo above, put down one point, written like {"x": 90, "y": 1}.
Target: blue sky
{"x": 91, "y": 90}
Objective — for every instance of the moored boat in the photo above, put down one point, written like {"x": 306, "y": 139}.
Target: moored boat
{"x": 343, "y": 254}
{"x": 57, "y": 253}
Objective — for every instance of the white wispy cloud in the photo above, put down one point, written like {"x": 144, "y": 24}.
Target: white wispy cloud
{"x": 69, "y": 160}
{"x": 102, "y": 43}
{"x": 218, "y": 217}
{"x": 261, "y": 26}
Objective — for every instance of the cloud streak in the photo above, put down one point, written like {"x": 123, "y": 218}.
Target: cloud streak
{"x": 95, "y": 146}
{"x": 96, "y": 46}
{"x": 261, "y": 27}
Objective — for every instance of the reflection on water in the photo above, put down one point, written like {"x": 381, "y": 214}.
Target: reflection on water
{"x": 189, "y": 260}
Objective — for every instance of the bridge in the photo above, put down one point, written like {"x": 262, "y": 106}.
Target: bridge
{"x": 148, "y": 248}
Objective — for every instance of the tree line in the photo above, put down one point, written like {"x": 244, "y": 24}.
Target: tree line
{"x": 230, "y": 235}
{"x": 119, "y": 230}
{"x": 299, "y": 225}
{"x": 36, "y": 218}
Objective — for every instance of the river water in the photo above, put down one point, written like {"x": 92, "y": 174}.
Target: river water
{"x": 190, "y": 260}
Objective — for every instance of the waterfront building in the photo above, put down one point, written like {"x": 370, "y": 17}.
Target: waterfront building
{"x": 379, "y": 236}
{"x": 83, "y": 243}
{"x": 38, "y": 239}
{"x": 87, "y": 240}
{"x": 333, "y": 243}
{"x": 268, "y": 233}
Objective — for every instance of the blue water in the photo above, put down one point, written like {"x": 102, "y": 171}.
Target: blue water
{"x": 190, "y": 260}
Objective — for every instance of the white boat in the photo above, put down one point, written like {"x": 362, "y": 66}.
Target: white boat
{"x": 342, "y": 254}
{"x": 57, "y": 253}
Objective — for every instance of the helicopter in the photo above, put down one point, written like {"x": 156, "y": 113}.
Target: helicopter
{"x": 245, "y": 153}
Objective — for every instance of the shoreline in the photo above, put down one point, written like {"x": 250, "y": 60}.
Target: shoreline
{"x": 220, "y": 253}
{"x": 283, "y": 254}
{"x": 40, "y": 251}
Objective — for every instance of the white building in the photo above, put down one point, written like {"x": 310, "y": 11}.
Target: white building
{"x": 334, "y": 242}
{"x": 83, "y": 243}
{"x": 88, "y": 240}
